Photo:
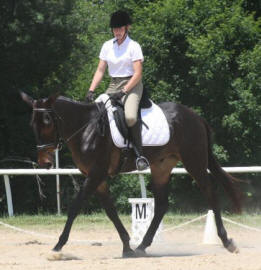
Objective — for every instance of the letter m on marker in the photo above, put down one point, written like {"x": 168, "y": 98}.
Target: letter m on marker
{"x": 141, "y": 213}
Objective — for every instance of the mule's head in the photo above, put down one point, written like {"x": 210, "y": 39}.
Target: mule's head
{"x": 44, "y": 124}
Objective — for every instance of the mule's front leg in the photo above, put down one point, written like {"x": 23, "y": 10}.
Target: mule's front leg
{"x": 86, "y": 190}
{"x": 105, "y": 198}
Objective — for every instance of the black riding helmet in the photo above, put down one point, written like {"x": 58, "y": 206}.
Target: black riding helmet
{"x": 119, "y": 18}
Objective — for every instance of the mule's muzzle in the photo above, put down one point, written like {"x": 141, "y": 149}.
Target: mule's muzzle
{"x": 46, "y": 159}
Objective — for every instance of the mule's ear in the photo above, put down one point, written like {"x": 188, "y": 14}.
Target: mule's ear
{"x": 51, "y": 99}
{"x": 27, "y": 99}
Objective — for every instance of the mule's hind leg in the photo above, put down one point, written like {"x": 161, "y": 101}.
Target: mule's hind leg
{"x": 105, "y": 198}
{"x": 207, "y": 185}
{"x": 228, "y": 243}
{"x": 161, "y": 207}
{"x": 160, "y": 179}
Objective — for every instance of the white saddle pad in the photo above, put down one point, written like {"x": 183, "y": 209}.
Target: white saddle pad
{"x": 158, "y": 133}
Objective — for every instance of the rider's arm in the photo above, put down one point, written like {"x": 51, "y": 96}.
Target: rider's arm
{"x": 137, "y": 67}
{"x": 98, "y": 75}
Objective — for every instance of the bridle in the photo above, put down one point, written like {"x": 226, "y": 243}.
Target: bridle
{"x": 59, "y": 138}
{"x": 58, "y": 141}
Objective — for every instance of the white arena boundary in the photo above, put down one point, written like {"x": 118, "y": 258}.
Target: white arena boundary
{"x": 100, "y": 241}
{"x": 57, "y": 172}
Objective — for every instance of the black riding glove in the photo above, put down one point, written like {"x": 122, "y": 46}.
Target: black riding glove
{"x": 89, "y": 97}
{"x": 118, "y": 95}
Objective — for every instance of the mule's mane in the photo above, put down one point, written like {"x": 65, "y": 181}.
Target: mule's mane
{"x": 69, "y": 100}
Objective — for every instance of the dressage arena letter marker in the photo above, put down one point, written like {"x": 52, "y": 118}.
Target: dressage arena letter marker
{"x": 141, "y": 213}
{"x": 141, "y": 216}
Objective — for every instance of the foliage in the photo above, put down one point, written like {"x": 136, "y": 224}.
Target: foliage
{"x": 193, "y": 51}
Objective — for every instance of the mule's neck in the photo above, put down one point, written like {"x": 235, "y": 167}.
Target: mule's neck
{"x": 73, "y": 117}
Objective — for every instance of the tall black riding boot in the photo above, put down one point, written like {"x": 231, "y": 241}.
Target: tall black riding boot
{"x": 141, "y": 162}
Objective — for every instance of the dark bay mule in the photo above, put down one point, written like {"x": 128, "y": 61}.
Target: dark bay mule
{"x": 94, "y": 153}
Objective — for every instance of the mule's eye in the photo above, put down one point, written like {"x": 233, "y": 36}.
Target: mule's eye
{"x": 46, "y": 118}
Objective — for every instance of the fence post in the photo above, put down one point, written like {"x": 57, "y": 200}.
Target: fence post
{"x": 8, "y": 196}
{"x": 57, "y": 183}
{"x": 142, "y": 186}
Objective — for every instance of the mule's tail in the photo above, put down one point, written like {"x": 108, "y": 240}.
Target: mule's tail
{"x": 227, "y": 180}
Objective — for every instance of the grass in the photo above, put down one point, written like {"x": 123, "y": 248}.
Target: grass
{"x": 52, "y": 222}
{"x": 100, "y": 220}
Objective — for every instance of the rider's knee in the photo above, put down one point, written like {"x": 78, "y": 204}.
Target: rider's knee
{"x": 131, "y": 121}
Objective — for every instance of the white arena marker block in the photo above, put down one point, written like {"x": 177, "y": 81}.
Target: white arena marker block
{"x": 141, "y": 216}
{"x": 210, "y": 232}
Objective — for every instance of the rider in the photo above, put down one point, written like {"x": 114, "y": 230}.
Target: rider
{"x": 124, "y": 58}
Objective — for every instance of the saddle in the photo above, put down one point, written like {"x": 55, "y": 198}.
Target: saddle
{"x": 118, "y": 113}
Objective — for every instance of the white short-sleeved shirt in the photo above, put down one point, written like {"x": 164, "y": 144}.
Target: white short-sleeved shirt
{"x": 120, "y": 58}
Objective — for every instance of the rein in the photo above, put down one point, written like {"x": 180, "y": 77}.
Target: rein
{"x": 59, "y": 140}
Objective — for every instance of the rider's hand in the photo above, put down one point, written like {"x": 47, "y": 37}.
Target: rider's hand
{"x": 118, "y": 95}
{"x": 89, "y": 97}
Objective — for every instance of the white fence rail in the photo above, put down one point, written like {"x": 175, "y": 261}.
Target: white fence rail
{"x": 57, "y": 172}
{"x": 252, "y": 169}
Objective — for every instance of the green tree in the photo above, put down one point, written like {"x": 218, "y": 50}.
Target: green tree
{"x": 37, "y": 38}
{"x": 192, "y": 55}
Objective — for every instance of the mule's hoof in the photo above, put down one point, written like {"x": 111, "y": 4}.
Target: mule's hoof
{"x": 232, "y": 247}
{"x": 56, "y": 248}
{"x": 129, "y": 254}
{"x": 140, "y": 252}
{"x": 54, "y": 256}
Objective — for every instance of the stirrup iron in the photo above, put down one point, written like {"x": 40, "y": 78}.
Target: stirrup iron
{"x": 142, "y": 163}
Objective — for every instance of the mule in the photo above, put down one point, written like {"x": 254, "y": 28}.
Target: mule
{"x": 84, "y": 128}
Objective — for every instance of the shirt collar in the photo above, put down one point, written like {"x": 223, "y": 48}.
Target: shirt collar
{"x": 126, "y": 40}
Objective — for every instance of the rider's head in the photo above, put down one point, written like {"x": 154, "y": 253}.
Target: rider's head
{"x": 120, "y": 23}
{"x": 120, "y": 18}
